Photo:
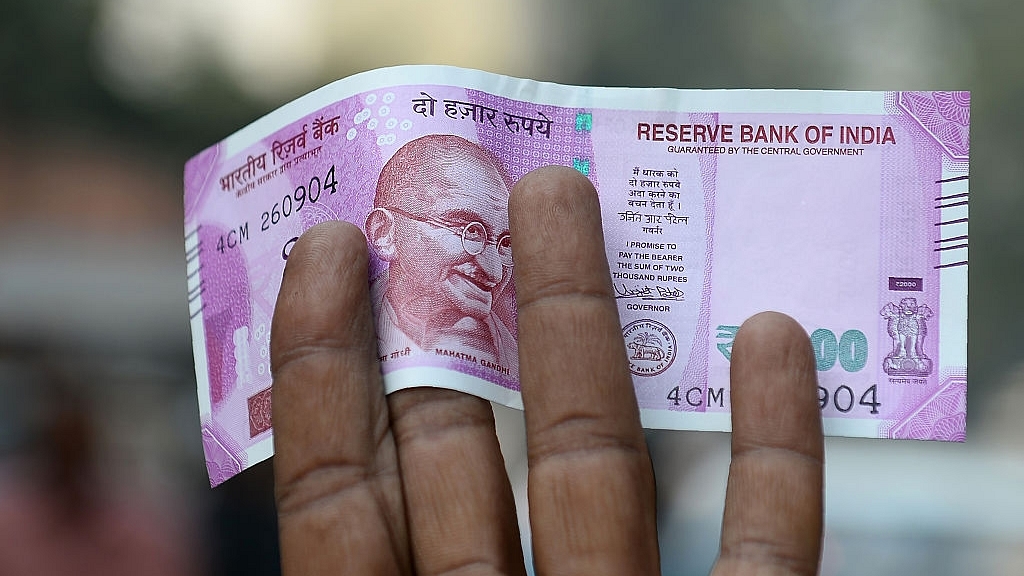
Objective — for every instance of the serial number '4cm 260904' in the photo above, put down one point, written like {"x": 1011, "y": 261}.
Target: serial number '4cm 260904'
{"x": 843, "y": 398}
{"x": 290, "y": 204}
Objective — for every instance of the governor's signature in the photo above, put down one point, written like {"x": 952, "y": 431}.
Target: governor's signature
{"x": 645, "y": 292}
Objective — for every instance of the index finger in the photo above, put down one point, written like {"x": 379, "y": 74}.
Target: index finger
{"x": 339, "y": 499}
{"x": 591, "y": 486}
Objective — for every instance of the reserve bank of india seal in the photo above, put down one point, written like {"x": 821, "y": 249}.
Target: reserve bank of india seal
{"x": 650, "y": 347}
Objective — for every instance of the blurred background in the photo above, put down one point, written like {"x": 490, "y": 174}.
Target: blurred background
{"x": 102, "y": 101}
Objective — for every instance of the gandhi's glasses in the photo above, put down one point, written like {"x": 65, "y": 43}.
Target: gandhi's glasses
{"x": 474, "y": 236}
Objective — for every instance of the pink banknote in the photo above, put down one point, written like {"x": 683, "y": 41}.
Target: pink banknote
{"x": 846, "y": 210}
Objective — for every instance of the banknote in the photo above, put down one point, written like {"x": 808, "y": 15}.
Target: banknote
{"x": 845, "y": 210}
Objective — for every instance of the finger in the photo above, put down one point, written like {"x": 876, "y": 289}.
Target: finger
{"x": 591, "y": 486}
{"x": 337, "y": 484}
{"x": 773, "y": 505}
{"x": 461, "y": 512}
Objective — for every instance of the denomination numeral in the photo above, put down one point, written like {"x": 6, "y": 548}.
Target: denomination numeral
{"x": 851, "y": 349}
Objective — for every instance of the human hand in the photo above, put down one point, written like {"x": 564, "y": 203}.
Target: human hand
{"x": 415, "y": 483}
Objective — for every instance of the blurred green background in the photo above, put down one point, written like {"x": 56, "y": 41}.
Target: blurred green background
{"x": 102, "y": 101}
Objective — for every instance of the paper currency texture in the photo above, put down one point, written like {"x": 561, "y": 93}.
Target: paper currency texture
{"x": 845, "y": 210}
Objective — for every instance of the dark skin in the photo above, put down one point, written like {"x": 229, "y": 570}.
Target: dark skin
{"x": 414, "y": 483}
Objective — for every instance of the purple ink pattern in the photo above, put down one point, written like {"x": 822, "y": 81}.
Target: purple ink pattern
{"x": 945, "y": 116}
{"x": 696, "y": 371}
{"x": 941, "y": 417}
{"x": 220, "y": 464}
{"x": 226, "y": 307}
{"x": 522, "y": 152}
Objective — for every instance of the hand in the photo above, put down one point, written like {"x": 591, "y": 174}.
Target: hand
{"x": 415, "y": 482}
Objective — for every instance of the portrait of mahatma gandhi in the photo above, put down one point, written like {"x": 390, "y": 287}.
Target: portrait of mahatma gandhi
{"x": 440, "y": 221}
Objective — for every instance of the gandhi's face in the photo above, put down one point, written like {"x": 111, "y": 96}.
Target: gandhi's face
{"x": 431, "y": 256}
